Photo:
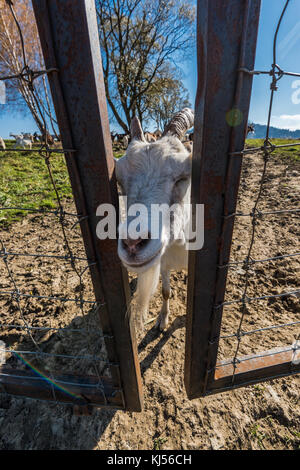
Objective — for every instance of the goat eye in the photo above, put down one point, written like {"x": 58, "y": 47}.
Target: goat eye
{"x": 181, "y": 180}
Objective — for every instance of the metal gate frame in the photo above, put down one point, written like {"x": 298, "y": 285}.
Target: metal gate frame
{"x": 226, "y": 47}
{"x": 227, "y": 35}
{"x": 70, "y": 43}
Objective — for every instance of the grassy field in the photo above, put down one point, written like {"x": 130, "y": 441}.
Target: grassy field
{"x": 285, "y": 152}
{"x": 24, "y": 178}
{"x": 25, "y": 182}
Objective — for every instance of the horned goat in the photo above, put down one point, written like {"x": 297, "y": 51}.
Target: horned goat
{"x": 21, "y": 142}
{"x": 156, "y": 173}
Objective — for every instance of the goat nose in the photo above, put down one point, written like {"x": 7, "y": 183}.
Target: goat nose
{"x": 133, "y": 246}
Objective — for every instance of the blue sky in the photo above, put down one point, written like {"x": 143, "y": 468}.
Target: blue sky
{"x": 286, "y": 110}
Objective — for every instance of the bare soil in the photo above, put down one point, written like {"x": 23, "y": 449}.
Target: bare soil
{"x": 263, "y": 416}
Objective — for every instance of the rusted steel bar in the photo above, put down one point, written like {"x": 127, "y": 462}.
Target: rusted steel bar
{"x": 226, "y": 42}
{"x": 252, "y": 369}
{"x": 70, "y": 43}
{"x": 78, "y": 390}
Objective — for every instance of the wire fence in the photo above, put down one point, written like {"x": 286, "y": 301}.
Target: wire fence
{"x": 243, "y": 290}
{"x": 48, "y": 345}
{"x": 20, "y": 304}
{"x": 258, "y": 217}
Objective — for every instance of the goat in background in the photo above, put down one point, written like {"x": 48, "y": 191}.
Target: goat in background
{"x": 2, "y": 144}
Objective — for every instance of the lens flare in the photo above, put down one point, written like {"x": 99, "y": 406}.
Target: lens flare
{"x": 234, "y": 117}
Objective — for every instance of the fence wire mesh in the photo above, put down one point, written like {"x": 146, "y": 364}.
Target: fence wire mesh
{"x": 46, "y": 295}
{"x": 49, "y": 318}
{"x": 261, "y": 306}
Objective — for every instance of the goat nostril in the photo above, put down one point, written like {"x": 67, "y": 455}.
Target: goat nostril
{"x": 143, "y": 242}
{"x": 132, "y": 246}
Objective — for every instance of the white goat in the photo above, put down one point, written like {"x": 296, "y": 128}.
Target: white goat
{"x": 156, "y": 173}
{"x": 26, "y": 143}
{"x": 21, "y": 141}
{"x": 16, "y": 136}
{"x": 2, "y": 144}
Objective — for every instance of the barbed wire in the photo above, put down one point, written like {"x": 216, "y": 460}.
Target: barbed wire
{"x": 259, "y": 330}
{"x": 16, "y": 294}
{"x": 259, "y": 214}
{"x": 29, "y": 74}
{"x": 247, "y": 300}
{"x": 268, "y": 148}
{"x": 28, "y": 77}
{"x": 55, "y": 355}
{"x": 58, "y": 329}
{"x": 41, "y": 255}
{"x": 255, "y": 261}
{"x": 45, "y": 151}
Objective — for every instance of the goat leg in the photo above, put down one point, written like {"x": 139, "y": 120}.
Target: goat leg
{"x": 163, "y": 319}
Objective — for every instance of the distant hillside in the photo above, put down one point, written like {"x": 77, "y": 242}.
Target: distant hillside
{"x": 275, "y": 133}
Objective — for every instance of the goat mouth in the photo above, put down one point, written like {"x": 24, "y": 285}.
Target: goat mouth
{"x": 141, "y": 264}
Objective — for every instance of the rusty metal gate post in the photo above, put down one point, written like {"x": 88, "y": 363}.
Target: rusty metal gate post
{"x": 70, "y": 42}
{"x": 226, "y": 42}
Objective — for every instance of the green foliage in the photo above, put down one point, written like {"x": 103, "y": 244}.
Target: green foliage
{"x": 139, "y": 40}
{"x": 165, "y": 97}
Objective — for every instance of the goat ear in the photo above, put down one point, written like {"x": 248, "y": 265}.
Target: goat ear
{"x": 136, "y": 130}
{"x": 118, "y": 167}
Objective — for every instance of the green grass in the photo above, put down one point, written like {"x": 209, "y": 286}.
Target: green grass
{"x": 257, "y": 434}
{"x": 25, "y": 182}
{"x": 286, "y": 152}
{"x": 119, "y": 153}
{"x": 158, "y": 443}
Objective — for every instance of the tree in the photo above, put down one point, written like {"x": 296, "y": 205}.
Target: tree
{"x": 139, "y": 39}
{"x": 12, "y": 62}
{"x": 165, "y": 97}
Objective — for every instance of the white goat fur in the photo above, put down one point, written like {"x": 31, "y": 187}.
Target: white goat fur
{"x": 21, "y": 141}
{"x": 2, "y": 144}
{"x": 149, "y": 173}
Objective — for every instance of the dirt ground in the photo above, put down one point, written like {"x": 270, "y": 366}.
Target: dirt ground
{"x": 263, "y": 416}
